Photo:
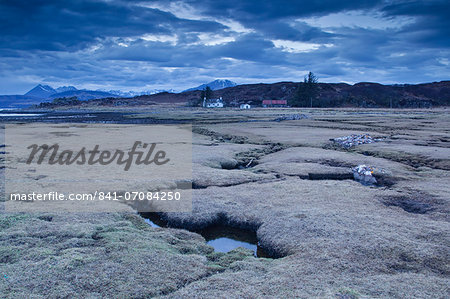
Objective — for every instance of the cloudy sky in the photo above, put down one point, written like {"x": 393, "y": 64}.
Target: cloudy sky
{"x": 141, "y": 45}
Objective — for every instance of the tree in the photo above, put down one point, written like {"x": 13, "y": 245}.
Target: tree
{"x": 207, "y": 93}
{"x": 306, "y": 92}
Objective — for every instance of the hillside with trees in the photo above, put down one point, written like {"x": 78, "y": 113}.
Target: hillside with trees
{"x": 303, "y": 94}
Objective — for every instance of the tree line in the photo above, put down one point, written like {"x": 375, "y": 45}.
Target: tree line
{"x": 307, "y": 92}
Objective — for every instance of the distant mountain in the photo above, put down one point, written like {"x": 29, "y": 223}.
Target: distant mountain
{"x": 45, "y": 93}
{"x": 41, "y": 91}
{"x": 130, "y": 94}
{"x": 83, "y": 94}
{"x": 214, "y": 85}
{"x": 66, "y": 88}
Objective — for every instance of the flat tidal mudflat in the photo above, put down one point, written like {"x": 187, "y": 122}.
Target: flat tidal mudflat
{"x": 326, "y": 235}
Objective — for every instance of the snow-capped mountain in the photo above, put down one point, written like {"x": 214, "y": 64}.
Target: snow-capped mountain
{"x": 130, "y": 94}
{"x": 66, "y": 88}
{"x": 83, "y": 94}
{"x": 45, "y": 93}
{"x": 214, "y": 85}
{"x": 41, "y": 91}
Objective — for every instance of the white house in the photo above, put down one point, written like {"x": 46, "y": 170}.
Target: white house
{"x": 213, "y": 103}
{"x": 244, "y": 106}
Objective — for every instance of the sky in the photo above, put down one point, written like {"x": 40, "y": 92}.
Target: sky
{"x": 143, "y": 45}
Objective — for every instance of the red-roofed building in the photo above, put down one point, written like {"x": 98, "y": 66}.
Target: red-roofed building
{"x": 274, "y": 103}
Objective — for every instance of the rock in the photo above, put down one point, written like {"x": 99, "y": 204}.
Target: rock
{"x": 292, "y": 117}
{"x": 364, "y": 174}
{"x": 355, "y": 139}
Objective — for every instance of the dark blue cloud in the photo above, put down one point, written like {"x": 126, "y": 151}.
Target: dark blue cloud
{"x": 133, "y": 44}
{"x": 432, "y": 23}
{"x": 75, "y": 24}
{"x": 274, "y": 10}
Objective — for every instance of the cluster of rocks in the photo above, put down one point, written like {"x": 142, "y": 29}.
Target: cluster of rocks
{"x": 292, "y": 117}
{"x": 364, "y": 174}
{"x": 355, "y": 139}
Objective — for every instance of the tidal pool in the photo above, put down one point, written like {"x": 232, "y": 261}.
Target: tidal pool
{"x": 221, "y": 237}
{"x": 225, "y": 238}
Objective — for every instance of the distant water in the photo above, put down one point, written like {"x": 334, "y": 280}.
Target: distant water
{"x": 18, "y": 114}
{"x": 48, "y": 116}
